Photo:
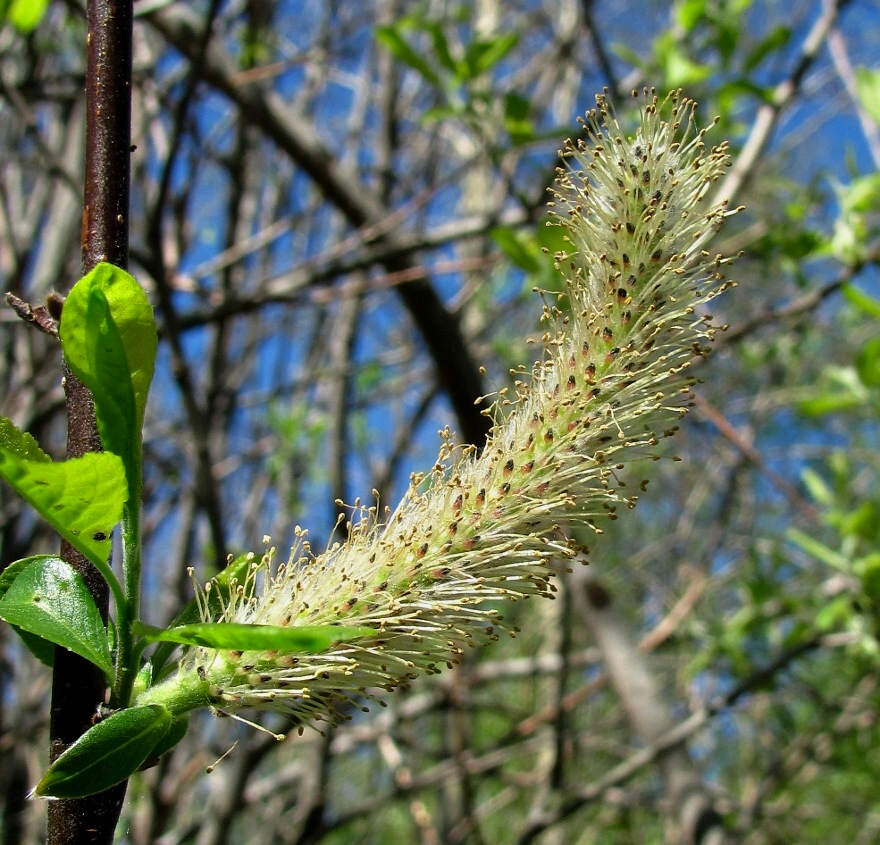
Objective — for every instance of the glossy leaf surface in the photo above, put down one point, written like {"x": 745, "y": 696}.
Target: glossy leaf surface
{"x": 243, "y": 637}
{"x": 81, "y": 498}
{"x": 48, "y": 598}
{"x": 106, "y": 754}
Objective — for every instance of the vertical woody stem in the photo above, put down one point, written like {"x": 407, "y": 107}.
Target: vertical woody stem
{"x": 78, "y": 687}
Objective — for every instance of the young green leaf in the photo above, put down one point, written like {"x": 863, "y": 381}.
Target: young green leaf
{"x": 82, "y": 498}
{"x": 26, "y": 15}
{"x": 391, "y": 39}
{"x": 176, "y": 732}
{"x": 517, "y": 248}
{"x": 868, "y": 88}
{"x": 109, "y": 339}
{"x": 20, "y": 443}
{"x": 42, "y": 649}
{"x": 482, "y": 55}
{"x": 233, "y": 575}
{"x": 864, "y": 302}
{"x": 243, "y": 637}
{"x": 106, "y": 754}
{"x": 50, "y": 599}
{"x": 517, "y": 117}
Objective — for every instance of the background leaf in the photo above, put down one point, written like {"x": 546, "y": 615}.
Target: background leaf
{"x": 25, "y": 15}
{"x": 868, "y": 88}
{"x": 107, "y": 753}
{"x": 391, "y": 39}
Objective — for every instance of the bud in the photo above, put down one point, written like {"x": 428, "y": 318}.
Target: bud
{"x": 490, "y": 526}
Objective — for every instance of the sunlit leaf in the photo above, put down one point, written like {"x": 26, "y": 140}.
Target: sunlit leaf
{"x": 515, "y": 249}
{"x": 865, "y": 303}
{"x": 242, "y": 637}
{"x": 81, "y": 498}
{"x": 391, "y": 39}
{"x": 26, "y": 15}
{"x": 109, "y": 339}
{"x": 233, "y": 575}
{"x": 481, "y": 56}
{"x": 42, "y": 649}
{"x": 868, "y": 88}
{"x": 48, "y": 598}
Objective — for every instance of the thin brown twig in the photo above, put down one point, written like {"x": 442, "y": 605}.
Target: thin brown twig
{"x": 768, "y": 114}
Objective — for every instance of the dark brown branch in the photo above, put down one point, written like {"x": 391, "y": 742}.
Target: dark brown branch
{"x": 78, "y": 687}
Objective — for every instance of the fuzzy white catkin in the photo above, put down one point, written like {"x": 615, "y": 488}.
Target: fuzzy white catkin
{"x": 491, "y": 525}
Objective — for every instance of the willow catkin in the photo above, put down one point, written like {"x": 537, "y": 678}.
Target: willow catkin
{"x": 485, "y": 527}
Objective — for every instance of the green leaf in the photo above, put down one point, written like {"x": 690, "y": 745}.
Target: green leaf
{"x": 51, "y": 600}
{"x": 868, "y": 89}
{"x": 869, "y": 571}
{"x": 43, "y": 650}
{"x": 514, "y": 248}
{"x": 109, "y": 339}
{"x": 82, "y": 498}
{"x": 242, "y": 637}
{"x": 517, "y": 118}
{"x": 483, "y": 55}
{"x": 678, "y": 68}
{"x": 176, "y": 732}
{"x": 106, "y": 754}
{"x": 681, "y": 70}
{"x": 861, "y": 195}
{"x": 817, "y": 487}
{"x": 20, "y": 443}
{"x": 441, "y": 48}
{"x": 820, "y": 551}
{"x": 867, "y": 304}
{"x": 778, "y": 38}
{"x": 400, "y": 48}
{"x": 848, "y": 392}
{"x": 868, "y": 363}
{"x": 688, "y": 13}
{"x": 221, "y": 586}
{"x": 26, "y": 15}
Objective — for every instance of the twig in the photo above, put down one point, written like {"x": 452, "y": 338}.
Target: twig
{"x": 844, "y": 68}
{"x": 78, "y": 686}
{"x": 768, "y": 114}
{"x": 671, "y": 739}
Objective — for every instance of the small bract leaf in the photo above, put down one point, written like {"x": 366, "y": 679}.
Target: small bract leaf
{"x": 106, "y": 754}
{"x": 82, "y": 498}
{"x": 243, "y": 637}
{"x": 51, "y": 600}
